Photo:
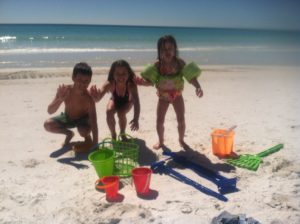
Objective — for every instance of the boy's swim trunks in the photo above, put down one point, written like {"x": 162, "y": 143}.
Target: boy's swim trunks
{"x": 64, "y": 120}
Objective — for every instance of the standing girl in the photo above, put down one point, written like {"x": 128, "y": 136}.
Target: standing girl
{"x": 167, "y": 75}
{"x": 124, "y": 95}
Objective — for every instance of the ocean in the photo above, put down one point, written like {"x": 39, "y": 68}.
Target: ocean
{"x": 33, "y": 45}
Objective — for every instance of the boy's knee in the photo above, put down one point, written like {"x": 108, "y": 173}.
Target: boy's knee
{"x": 48, "y": 124}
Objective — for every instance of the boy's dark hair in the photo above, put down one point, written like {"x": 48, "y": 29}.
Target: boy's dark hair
{"x": 162, "y": 41}
{"x": 82, "y": 68}
{"x": 120, "y": 63}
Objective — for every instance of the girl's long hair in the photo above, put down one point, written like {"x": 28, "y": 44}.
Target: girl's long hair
{"x": 121, "y": 63}
{"x": 161, "y": 43}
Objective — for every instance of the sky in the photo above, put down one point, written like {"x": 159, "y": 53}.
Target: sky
{"x": 254, "y": 14}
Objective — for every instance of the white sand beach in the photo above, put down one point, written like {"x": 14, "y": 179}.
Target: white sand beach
{"x": 41, "y": 184}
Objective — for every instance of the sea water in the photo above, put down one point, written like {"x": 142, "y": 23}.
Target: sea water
{"x": 33, "y": 45}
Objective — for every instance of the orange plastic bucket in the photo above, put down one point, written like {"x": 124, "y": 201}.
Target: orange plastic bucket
{"x": 111, "y": 186}
{"x": 222, "y": 142}
{"x": 141, "y": 178}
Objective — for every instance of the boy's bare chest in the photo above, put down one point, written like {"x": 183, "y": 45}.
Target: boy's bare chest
{"x": 77, "y": 106}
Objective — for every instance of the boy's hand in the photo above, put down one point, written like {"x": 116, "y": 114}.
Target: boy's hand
{"x": 63, "y": 92}
{"x": 94, "y": 92}
{"x": 134, "y": 124}
{"x": 199, "y": 92}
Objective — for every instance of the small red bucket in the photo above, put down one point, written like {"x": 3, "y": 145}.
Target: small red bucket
{"x": 141, "y": 178}
{"x": 111, "y": 186}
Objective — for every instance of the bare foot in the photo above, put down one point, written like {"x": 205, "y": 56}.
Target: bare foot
{"x": 158, "y": 145}
{"x": 69, "y": 136}
{"x": 124, "y": 138}
{"x": 88, "y": 139}
{"x": 184, "y": 145}
{"x": 83, "y": 147}
{"x": 114, "y": 136}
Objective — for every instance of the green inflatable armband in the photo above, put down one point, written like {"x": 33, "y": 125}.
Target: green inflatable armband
{"x": 150, "y": 73}
{"x": 191, "y": 71}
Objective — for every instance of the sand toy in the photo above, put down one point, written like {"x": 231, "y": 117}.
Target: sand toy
{"x": 141, "y": 178}
{"x": 103, "y": 161}
{"x": 222, "y": 142}
{"x": 225, "y": 185}
{"x": 160, "y": 167}
{"x": 252, "y": 162}
{"x": 125, "y": 154}
{"x": 111, "y": 186}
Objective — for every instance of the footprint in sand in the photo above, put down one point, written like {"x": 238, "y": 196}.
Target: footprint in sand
{"x": 186, "y": 208}
{"x": 12, "y": 163}
{"x": 281, "y": 164}
{"x": 2, "y": 209}
{"x": 36, "y": 199}
{"x": 120, "y": 210}
{"x": 30, "y": 163}
{"x": 281, "y": 202}
{"x": 19, "y": 199}
{"x": 295, "y": 127}
{"x": 66, "y": 215}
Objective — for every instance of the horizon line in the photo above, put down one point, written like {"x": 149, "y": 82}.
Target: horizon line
{"x": 156, "y": 26}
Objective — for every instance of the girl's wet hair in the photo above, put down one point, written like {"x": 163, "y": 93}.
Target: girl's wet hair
{"x": 120, "y": 63}
{"x": 161, "y": 43}
{"x": 82, "y": 68}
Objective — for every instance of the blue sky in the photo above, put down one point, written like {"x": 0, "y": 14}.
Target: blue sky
{"x": 270, "y": 14}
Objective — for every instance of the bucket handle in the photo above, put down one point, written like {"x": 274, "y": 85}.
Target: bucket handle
{"x": 227, "y": 132}
{"x": 105, "y": 140}
{"x": 130, "y": 138}
{"x": 103, "y": 186}
{"x": 147, "y": 182}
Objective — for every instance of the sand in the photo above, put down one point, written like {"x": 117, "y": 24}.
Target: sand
{"x": 39, "y": 183}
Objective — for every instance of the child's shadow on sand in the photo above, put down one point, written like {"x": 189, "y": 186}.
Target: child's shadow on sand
{"x": 59, "y": 152}
{"x": 145, "y": 155}
{"x": 73, "y": 160}
{"x": 199, "y": 158}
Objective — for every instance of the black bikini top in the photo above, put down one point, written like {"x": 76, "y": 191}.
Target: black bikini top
{"x": 124, "y": 98}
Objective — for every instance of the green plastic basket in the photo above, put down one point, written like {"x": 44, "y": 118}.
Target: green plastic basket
{"x": 125, "y": 154}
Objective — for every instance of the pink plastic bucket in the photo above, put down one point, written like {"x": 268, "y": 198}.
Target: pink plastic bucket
{"x": 141, "y": 178}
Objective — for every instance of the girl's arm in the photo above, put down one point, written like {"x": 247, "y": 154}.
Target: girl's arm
{"x": 93, "y": 121}
{"x": 142, "y": 82}
{"x": 97, "y": 94}
{"x": 196, "y": 84}
{"x": 61, "y": 94}
{"x": 134, "y": 123}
